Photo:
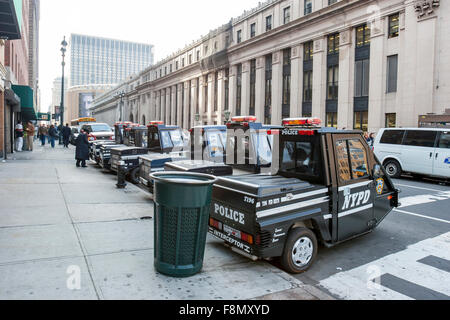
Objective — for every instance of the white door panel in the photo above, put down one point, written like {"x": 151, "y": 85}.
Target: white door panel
{"x": 441, "y": 166}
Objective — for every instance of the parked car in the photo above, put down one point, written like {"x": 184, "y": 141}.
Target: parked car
{"x": 415, "y": 151}
{"x": 98, "y": 131}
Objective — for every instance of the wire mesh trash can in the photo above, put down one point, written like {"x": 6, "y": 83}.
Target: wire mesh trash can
{"x": 182, "y": 204}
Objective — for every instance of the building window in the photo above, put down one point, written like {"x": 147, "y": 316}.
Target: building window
{"x": 333, "y": 82}
{"x": 330, "y": 2}
{"x": 197, "y": 105}
{"x": 239, "y": 36}
{"x": 238, "y": 89}
{"x": 252, "y": 30}
{"x": 286, "y": 82}
{"x": 198, "y": 55}
{"x": 391, "y": 120}
{"x": 206, "y": 50}
{"x": 308, "y": 51}
{"x": 392, "y": 71}
{"x": 362, "y": 78}
{"x": 165, "y": 70}
{"x": 176, "y": 65}
{"x": 268, "y": 23}
{"x": 307, "y": 86}
{"x": 362, "y": 36}
{"x": 361, "y": 120}
{"x": 252, "y": 86}
{"x": 206, "y": 94}
{"x": 308, "y": 7}
{"x": 190, "y": 59}
{"x": 170, "y": 68}
{"x": 331, "y": 120}
{"x": 268, "y": 91}
{"x": 333, "y": 43}
{"x": 182, "y": 63}
{"x": 287, "y": 15}
{"x": 394, "y": 25}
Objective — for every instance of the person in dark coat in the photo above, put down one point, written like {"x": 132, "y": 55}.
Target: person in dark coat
{"x": 66, "y": 132}
{"x": 82, "y": 150}
{"x": 53, "y": 134}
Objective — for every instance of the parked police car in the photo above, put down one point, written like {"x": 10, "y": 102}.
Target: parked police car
{"x": 329, "y": 188}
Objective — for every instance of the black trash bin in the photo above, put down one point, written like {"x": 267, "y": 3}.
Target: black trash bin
{"x": 182, "y": 204}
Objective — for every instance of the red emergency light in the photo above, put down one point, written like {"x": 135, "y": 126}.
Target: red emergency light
{"x": 155, "y": 123}
{"x": 302, "y": 122}
{"x": 244, "y": 119}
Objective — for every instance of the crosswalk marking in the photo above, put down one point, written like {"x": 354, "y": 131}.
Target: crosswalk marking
{"x": 361, "y": 282}
{"x": 424, "y": 198}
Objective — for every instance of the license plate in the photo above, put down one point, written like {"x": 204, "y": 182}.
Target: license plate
{"x": 232, "y": 232}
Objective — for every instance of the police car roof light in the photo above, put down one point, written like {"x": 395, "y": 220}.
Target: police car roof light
{"x": 302, "y": 122}
{"x": 273, "y": 132}
{"x": 306, "y": 132}
{"x": 244, "y": 119}
{"x": 155, "y": 123}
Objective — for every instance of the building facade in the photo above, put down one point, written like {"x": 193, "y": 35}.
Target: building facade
{"x": 360, "y": 64}
{"x": 18, "y": 101}
{"x": 79, "y": 100}
{"x": 95, "y": 60}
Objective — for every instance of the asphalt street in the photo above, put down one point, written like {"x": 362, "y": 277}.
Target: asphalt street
{"x": 406, "y": 257}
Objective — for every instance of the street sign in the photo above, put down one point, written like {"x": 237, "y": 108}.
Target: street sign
{"x": 43, "y": 116}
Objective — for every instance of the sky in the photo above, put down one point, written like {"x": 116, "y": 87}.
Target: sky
{"x": 168, "y": 25}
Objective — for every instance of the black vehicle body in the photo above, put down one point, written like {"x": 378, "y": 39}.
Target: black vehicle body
{"x": 105, "y": 155}
{"x": 208, "y": 143}
{"x": 164, "y": 139}
{"x": 152, "y": 163}
{"x": 136, "y": 136}
{"x": 329, "y": 182}
{"x": 253, "y": 140}
{"x": 94, "y": 149}
{"x": 200, "y": 166}
{"x": 75, "y": 131}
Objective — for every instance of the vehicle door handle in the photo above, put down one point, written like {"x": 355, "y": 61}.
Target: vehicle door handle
{"x": 437, "y": 154}
{"x": 431, "y": 155}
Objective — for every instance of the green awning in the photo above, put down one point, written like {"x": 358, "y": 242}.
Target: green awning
{"x": 27, "y": 102}
{"x": 10, "y": 19}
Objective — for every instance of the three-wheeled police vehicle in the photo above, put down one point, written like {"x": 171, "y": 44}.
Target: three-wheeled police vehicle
{"x": 330, "y": 188}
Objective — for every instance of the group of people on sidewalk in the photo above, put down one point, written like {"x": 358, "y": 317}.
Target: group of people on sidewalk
{"x": 51, "y": 133}
{"x": 28, "y": 132}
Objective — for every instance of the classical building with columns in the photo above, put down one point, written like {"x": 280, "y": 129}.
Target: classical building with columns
{"x": 354, "y": 63}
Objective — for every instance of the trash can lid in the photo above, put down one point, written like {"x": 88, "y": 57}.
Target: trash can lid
{"x": 185, "y": 178}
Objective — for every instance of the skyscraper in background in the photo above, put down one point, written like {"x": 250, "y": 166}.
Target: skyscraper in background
{"x": 97, "y": 60}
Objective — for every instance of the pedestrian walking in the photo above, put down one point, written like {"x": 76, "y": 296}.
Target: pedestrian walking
{"x": 53, "y": 134}
{"x": 371, "y": 139}
{"x": 60, "y": 127}
{"x": 43, "y": 132}
{"x": 30, "y": 135}
{"x": 82, "y": 149}
{"x": 66, "y": 132}
{"x": 19, "y": 136}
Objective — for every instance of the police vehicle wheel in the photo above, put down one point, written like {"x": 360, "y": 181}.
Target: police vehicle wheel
{"x": 393, "y": 168}
{"x": 300, "y": 250}
{"x": 134, "y": 176}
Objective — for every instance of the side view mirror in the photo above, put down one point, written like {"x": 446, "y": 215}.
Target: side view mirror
{"x": 377, "y": 171}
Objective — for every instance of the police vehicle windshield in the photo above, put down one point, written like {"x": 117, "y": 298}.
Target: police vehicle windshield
{"x": 263, "y": 145}
{"x": 217, "y": 141}
{"x": 302, "y": 158}
{"x": 172, "y": 138}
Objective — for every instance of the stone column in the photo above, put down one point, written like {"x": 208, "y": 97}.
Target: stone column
{"x": 210, "y": 102}
{"x": 174, "y": 106}
{"x": 232, "y": 91}
{"x": 163, "y": 106}
{"x": 201, "y": 99}
{"x": 186, "y": 119}
{"x": 376, "y": 84}
{"x": 319, "y": 79}
{"x": 296, "y": 81}
{"x": 168, "y": 105}
{"x": 260, "y": 89}
{"x": 194, "y": 98}
{"x": 157, "y": 106}
{"x": 180, "y": 88}
{"x": 346, "y": 80}
{"x": 277, "y": 87}
{"x": 245, "y": 96}
{"x": 220, "y": 96}
{"x": 152, "y": 106}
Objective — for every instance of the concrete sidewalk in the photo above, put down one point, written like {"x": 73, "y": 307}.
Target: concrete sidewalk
{"x": 58, "y": 221}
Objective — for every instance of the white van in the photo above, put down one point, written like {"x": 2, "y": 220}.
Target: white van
{"x": 416, "y": 151}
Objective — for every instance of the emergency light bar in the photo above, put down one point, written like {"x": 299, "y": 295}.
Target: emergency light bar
{"x": 310, "y": 122}
{"x": 155, "y": 123}
{"x": 244, "y": 119}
